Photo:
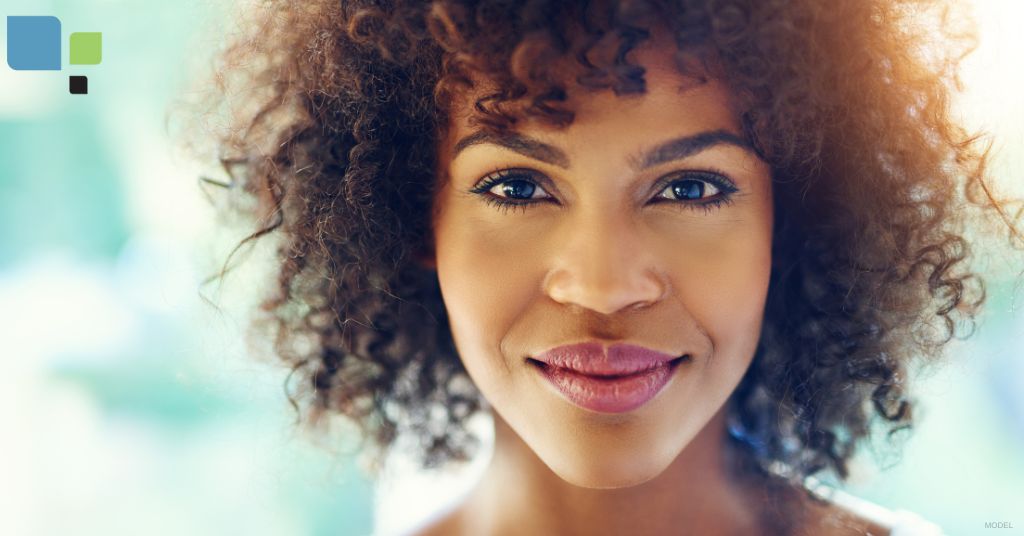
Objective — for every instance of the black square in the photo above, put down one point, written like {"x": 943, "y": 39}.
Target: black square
{"x": 79, "y": 85}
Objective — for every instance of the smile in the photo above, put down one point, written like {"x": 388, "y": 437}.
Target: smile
{"x": 609, "y": 394}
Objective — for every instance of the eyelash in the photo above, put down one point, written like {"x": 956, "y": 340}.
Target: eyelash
{"x": 724, "y": 197}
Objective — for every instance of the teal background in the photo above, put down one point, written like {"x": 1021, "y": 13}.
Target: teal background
{"x": 128, "y": 405}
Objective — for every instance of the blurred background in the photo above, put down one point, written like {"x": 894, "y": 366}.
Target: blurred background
{"x": 130, "y": 405}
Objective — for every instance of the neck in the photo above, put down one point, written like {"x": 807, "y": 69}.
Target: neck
{"x": 519, "y": 494}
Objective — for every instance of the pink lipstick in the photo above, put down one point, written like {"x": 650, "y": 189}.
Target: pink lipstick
{"x": 619, "y": 380}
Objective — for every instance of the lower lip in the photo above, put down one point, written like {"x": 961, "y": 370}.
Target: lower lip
{"x": 609, "y": 394}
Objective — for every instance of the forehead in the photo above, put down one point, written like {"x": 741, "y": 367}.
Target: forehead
{"x": 672, "y": 102}
{"x": 668, "y": 73}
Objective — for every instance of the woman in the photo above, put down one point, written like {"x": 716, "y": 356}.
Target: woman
{"x": 682, "y": 253}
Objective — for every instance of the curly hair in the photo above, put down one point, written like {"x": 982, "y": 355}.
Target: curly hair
{"x": 848, "y": 102}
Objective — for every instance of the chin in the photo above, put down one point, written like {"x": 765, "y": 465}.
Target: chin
{"x": 597, "y": 471}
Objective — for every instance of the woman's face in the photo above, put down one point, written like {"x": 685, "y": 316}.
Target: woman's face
{"x": 649, "y": 222}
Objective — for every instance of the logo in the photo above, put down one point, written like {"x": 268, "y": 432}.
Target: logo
{"x": 33, "y": 44}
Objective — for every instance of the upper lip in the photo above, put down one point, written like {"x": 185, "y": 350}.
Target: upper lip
{"x": 592, "y": 358}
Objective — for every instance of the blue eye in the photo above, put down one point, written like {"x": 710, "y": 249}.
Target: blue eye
{"x": 515, "y": 189}
{"x": 692, "y": 189}
{"x": 510, "y": 189}
{"x": 518, "y": 189}
{"x": 695, "y": 190}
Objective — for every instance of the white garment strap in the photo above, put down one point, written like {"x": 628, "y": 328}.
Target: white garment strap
{"x": 900, "y": 522}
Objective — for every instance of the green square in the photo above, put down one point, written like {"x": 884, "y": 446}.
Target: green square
{"x": 86, "y": 48}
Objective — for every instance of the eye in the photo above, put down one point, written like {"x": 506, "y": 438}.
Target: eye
{"x": 516, "y": 189}
{"x": 697, "y": 190}
{"x": 690, "y": 190}
{"x": 511, "y": 189}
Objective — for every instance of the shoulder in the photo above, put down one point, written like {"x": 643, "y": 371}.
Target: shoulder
{"x": 846, "y": 514}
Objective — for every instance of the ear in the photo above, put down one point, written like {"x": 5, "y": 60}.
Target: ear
{"x": 424, "y": 256}
{"x": 425, "y": 260}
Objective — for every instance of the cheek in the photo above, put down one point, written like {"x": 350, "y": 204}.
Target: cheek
{"x": 485, "y": 286}
{"x": 722, "y": 280}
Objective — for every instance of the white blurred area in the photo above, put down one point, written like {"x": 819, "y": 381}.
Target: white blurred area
{"x": 69, "y": 466}
{"x": 128, "y": 405}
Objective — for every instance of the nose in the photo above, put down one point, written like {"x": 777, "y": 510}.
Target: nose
{"x": 605, "y": 268}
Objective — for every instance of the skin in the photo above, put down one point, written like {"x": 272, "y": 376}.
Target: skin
{"x": 607, "y": 253}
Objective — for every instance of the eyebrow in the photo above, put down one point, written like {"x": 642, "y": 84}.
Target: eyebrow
{"x": 674, "y": 149}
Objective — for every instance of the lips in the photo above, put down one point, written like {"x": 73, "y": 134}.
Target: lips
{"x": 590, "y": 358}
{"x": 622, "y": 379}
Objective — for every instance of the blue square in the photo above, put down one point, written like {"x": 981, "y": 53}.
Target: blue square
{"x": 33, "y": 43}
